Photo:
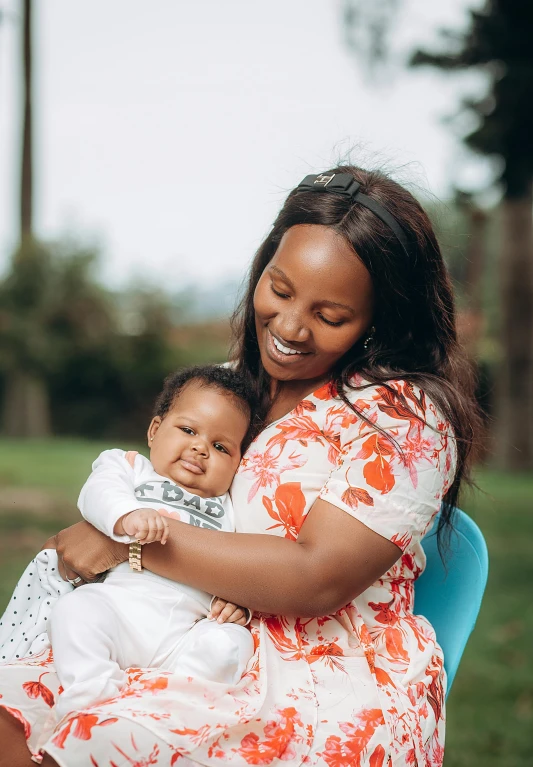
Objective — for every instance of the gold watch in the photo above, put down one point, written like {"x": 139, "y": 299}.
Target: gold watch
{"x": 134, "y": 556}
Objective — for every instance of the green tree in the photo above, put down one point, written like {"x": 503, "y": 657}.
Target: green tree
{"x": 49, "y": 305}
{"x": 499, "y": 40}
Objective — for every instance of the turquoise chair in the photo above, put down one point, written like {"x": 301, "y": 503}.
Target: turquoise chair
{"x": 449, "y": 595}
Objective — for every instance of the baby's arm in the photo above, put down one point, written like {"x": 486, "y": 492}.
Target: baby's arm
{"x": 109, "y": 494}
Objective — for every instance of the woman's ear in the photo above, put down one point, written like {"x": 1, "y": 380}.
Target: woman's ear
{"x": 155, "y": 423}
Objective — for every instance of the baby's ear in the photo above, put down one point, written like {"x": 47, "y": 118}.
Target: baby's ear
{"x": 155, "y": 423}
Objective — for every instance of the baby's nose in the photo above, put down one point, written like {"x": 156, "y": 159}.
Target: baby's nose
{"x": 200, "y": 447}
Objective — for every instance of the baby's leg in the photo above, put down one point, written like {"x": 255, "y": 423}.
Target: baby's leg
{"x": 87, "y": 631}
{"x": 213, "y": 651}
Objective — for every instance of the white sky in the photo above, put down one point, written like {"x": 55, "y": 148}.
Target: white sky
{"x": 171, "y": 130}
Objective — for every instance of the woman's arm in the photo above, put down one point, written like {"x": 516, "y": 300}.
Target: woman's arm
{"x": 335, "y": 558}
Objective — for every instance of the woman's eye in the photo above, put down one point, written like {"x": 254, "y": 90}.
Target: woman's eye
{"x": 218, "y": 446}
{"x": 187, "y": 429}
{"x": 330, "y": 322}
{"x": 277, "y": 293}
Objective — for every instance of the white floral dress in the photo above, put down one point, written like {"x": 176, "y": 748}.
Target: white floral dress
{"x": 361, "y": 688}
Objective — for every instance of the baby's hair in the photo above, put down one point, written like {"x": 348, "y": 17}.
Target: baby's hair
{"x": 224, "y": 379}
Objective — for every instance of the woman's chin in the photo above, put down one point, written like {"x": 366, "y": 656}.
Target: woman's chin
{"x": 290, "y": 372}
{"x": 279, "y": 372}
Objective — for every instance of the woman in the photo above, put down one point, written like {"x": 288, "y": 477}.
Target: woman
{"x": 347, "y": 332}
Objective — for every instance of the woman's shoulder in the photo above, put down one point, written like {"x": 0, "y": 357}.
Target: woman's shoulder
{"x": 396, "y": 424}
{"x": 391, "y": 416}
{"x": 393, "y": 400}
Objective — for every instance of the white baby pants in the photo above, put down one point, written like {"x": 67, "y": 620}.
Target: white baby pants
{"x": 100, "y": 629}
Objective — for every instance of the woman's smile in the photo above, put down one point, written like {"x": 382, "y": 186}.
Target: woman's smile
{"x": 281, "y": 352}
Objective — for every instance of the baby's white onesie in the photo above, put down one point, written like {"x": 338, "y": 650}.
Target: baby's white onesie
{"x": 140, "y": 619}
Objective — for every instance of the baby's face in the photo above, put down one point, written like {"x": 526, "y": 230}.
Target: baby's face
{"x": 198, "y": 443}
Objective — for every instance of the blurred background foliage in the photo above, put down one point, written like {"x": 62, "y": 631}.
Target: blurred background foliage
{"x": 79, "y": 359}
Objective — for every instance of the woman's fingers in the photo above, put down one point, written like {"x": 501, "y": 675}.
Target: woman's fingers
{"x": 62, "y": 569}
{"x": 66, "y": 573}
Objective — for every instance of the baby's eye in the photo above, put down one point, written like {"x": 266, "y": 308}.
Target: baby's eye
{"x": 220, "y": 447}
{"x": 187, "y": 429}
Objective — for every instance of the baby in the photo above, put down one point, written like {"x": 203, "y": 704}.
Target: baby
{"x": 137, "y": 618}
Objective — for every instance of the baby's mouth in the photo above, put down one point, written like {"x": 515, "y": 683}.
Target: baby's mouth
{"x": 193, "y": 466}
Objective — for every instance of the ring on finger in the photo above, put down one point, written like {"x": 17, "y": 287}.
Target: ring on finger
{"x": 75, "y": 581}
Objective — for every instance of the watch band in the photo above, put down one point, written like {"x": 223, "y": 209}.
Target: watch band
{"x": 134, "y": 556}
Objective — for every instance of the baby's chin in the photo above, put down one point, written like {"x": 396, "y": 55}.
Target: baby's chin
{"x": 196, "y": 485}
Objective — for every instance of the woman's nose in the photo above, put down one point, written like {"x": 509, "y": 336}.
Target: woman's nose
{"x": 292, "y": 327}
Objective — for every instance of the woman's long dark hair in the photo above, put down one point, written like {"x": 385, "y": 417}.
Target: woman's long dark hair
{"x": 415, "y": 338}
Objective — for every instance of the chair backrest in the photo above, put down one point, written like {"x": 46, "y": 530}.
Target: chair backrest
{"x": 449, "y": 595}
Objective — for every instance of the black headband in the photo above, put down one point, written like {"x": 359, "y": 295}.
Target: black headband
{"x": 345, "y": 184}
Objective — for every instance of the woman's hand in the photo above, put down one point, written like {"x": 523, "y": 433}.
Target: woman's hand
{"x": 49, "y": 544}
{"x": 84, "y": 551}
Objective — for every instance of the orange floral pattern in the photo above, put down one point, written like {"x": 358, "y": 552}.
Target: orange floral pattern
{"x": 361, "y": 688}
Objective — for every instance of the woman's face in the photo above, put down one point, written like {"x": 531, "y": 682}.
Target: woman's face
{"x": 312, "y": 303}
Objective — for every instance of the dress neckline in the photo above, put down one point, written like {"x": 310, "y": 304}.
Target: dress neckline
{"x": 290, "y": 412}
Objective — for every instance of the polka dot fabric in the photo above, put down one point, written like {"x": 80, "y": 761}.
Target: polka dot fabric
{"x": 23, "y": 625}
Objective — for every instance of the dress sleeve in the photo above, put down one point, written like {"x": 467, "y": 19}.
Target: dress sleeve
{"x": 392, "y": 480}
{"x": 109, "y": 493}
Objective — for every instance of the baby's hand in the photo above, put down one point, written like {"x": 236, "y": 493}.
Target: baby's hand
{"x": 146, "y": 525}
{"x": 227, "y": 612}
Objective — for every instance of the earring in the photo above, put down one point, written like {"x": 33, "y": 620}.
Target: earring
{"x": 369, "y": 338}
{"x": 151, "y": 439}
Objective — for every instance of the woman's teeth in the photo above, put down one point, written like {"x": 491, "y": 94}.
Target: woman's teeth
{"x": 284, "y": 349}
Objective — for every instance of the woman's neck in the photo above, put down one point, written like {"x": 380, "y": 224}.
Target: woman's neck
{"x": 287, "y": 394}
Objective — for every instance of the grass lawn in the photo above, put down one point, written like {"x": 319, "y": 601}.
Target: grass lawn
{"x": 490, "y": 709}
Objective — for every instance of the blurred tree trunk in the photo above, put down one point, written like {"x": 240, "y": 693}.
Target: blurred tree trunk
{"x": 26, "y": 406}
{"x": 471, "y": 318}
{"x": 475, "y": 257}
{"x": 514, "y": 437}
{"x": 26, "y": 409}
